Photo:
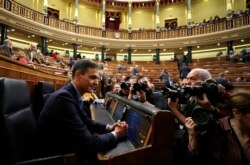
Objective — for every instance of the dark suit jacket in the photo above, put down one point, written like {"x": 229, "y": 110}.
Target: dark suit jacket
{"x": 4, "y": 50}
{"x": 227, "y": 84}
{"x": 65, "y": 128}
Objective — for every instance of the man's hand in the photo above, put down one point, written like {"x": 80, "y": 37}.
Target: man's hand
{"x": 173, "y": 105}
{"x": 121, "y": 129}
{"x": 142, "y": 96}
{"x": 113, "y": 126}
{"x": 204, "y": 102}
{"x": 190, "y": 125}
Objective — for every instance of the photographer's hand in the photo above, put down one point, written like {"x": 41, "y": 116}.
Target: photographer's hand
{"x": 143, "y": 98}
{"x": 190, "y": 125}
{"x": 204, "y": 102}
{"x": 173, "y": 107}
{"x": 192, "y": 135}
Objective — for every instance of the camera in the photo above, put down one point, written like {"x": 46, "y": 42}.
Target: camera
{"x": 140, "y": 86}
{"x": 183, "y": 94}
{"x": 137, "y": 86}
{"x": 125, "y": 85}
{"x": 201, "y": 116}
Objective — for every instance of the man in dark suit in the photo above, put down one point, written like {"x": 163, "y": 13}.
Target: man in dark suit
{"x": 64, "y": 125}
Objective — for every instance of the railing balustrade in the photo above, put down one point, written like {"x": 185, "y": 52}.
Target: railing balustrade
{"x": 147, "y": 34}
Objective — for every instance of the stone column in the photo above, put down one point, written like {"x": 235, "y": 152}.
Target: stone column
{"x": 3, "y": 32}
{"x": 129, "y": 55}
{"x": 157, "y": 60}
{"x": 229, "y": 46}
{"x": 75, "y": 47}
{"x": 129, "y": 19}
{"x": 189, "y": 14}
{"x": 103, "y": 53}
{"x": 189, "y": 55}
{"x": 45, "y": 12}
{"x": 43, "y": 45}
{"x": 103, "y": 18}
{"x": 76, "y": 12}
{"x": 157, "y": 19}
{"x": 229, "y": 7}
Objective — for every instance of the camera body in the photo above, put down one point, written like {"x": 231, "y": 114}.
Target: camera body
{"x": 137, "y": 86}
{"x": 140, "y": 86}
{"x": 201, "y": 116}
{"x": 183, "y": 94}
{"x": 125, "y": 85}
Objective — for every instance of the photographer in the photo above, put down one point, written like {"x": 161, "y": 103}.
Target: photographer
{"x": 195, "y": 78}
{"x": 196, "y": 105}
{"x": 127, "y": 88}
{"x": 150, "y": 96}
{"x": 227, "y": 142}
{"x": 117, "y": 88}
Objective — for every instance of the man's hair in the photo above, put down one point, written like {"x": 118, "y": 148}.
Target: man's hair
{"x": 82, "y": 65}
{"x": 239, "y": 100}
{"x": 6, "y": 42}
{"x": 203, "y": 73}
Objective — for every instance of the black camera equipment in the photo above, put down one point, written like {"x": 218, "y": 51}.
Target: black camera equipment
{"x": 137, "y": 86}
{"x": 140, "y": 86}
{"x": 125, "y": 85}
{"x": 201, "y": 116}
{"x": 183, "y": 94}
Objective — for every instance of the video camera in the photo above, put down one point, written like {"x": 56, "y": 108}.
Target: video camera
{"x": 201, "y": 116}
{"x": 183, "y": 94}
{"x": 137, "y": 86}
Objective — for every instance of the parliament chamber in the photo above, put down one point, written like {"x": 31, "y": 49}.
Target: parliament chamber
{"x": 153, "y": 35}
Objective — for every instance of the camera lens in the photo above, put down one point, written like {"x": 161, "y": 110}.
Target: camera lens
{"x": 137, "y": 86}
{"x": 200, "y": 115}
{"x": 125, "y": 85}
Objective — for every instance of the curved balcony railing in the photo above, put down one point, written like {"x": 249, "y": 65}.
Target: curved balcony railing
{"x": 150, "y": 34}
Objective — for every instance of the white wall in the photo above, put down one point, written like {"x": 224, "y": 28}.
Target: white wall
{"x": 145, "y": 57}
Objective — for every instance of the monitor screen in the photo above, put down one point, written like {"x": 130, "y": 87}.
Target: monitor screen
{"x": 118, "y": 111}
{"x": 138, "y": 127}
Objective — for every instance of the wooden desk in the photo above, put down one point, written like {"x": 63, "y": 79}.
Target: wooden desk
{"x": 150, "y": 133}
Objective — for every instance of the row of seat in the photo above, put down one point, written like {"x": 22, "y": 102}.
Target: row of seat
{"x": 18, "y": 120}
